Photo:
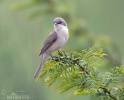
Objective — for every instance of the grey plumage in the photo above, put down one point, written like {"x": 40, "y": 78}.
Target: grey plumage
{"x": 55, "y": 40}
{"x": 49, "y": 41}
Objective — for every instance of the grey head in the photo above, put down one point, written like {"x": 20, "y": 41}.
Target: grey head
{"x": 59, "y": 21}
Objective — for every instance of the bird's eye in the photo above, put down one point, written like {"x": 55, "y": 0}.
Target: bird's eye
{"x": 59, "y": 22}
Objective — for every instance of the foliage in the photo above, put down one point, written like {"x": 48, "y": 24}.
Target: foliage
{"x": 80, "y": 71}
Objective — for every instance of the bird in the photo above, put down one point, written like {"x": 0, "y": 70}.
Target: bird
{"x": 55, "y": 41}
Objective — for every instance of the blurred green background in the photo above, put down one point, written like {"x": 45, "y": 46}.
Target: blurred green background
{"x": 24, "y": 25}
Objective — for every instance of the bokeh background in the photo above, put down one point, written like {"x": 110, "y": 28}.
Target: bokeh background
{"x": 24, "y": 25}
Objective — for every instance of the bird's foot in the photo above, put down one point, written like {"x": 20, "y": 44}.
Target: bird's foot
{"x": 54, "y": 57}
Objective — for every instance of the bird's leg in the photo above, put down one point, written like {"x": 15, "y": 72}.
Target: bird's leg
{"x": 53, "y": 57}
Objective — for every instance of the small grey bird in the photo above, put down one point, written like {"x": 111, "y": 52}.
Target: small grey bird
{"x": 55, "y": 40}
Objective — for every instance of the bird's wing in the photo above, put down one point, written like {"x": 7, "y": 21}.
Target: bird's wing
{"x": 52, "y": 37}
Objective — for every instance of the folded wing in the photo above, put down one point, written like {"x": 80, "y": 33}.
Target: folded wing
{"x": 49, "y": 41}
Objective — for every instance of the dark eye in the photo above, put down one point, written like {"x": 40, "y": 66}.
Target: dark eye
{"x": 60, "y": 22}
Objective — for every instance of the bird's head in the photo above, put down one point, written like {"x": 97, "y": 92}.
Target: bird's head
{"x": 59, "y": 22}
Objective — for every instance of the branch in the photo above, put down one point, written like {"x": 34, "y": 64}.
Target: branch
{"x": 80, "y": 70}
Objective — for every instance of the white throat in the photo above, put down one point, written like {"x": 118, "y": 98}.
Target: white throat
{"x": 59, "y": 28}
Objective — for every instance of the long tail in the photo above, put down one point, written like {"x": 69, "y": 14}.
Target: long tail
{"x": 44, "y": 58}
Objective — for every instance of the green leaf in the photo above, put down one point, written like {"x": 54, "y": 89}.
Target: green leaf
{"x": 82, "y": 91}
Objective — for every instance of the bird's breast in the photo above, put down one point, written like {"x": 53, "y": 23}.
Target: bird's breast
{"x": 63, "y": 34}
{"x": 62, "y": 38}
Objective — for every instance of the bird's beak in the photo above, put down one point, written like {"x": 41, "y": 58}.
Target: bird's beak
{"x": 55, "y": 23}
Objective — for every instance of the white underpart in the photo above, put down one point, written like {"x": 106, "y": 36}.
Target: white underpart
{"x": 62, "y": 38}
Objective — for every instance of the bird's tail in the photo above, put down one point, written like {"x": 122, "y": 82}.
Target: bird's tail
{"x": 44, "y": 58}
